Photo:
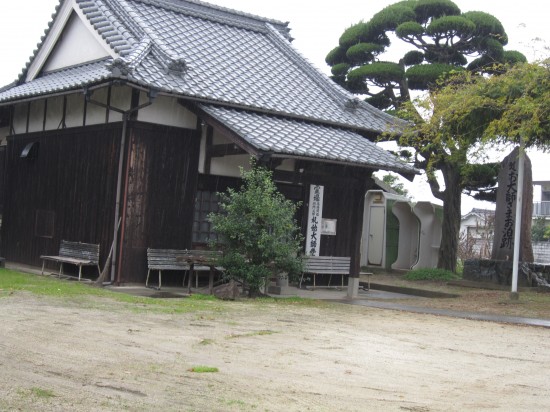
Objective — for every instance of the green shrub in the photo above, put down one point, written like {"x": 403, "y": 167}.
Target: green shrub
{"x": 260, "y": 238}
{"x": 431, "y": 274}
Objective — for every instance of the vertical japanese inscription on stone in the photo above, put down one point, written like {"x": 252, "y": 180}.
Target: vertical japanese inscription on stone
{"x": 507, "y": 238}
{"x": 505, "y": 213}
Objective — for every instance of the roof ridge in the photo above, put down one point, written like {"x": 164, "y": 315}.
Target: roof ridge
{"x": 108, "y": 26}
{"x": 224, "y": 15}
{"x": 31, "y": 58}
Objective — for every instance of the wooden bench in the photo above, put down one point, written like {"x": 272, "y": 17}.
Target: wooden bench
{"x": 75, "y": 253}
{"x": 186, "y": 260}
{"x": 326, "y": 265}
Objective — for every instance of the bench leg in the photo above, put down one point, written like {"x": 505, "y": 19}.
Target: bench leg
{"x": 211, "y": 280}
{"x": 60, "y": 269}
{"x": 191, "y": 270}
{"x": 147, "y": 280}
{"x": 79, "y": 272}
{"x": 314, "y": 276}
{"x": 43, "y": 263}
{"x": 160, "y": 279}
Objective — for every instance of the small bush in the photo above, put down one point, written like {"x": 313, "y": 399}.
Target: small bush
{"x": 431, "y": 274}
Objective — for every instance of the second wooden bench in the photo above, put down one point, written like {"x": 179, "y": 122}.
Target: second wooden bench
{"x": 326, "y": 265}
{"x": 178, "y": 259}
{"x": 75, "y": 253}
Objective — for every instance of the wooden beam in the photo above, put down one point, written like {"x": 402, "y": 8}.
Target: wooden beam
{"x": 208, "y": 149}
{"x": 222, "y": 129}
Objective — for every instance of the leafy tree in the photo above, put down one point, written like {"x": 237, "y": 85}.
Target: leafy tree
{"x": 393, "y": 182}
{"x": 440, "y": 38}
{"x": 259, "y": 235}
{"x": 511, "y": 107}
{"x": 538, "y": 230}
{"x": 441, "y": 41}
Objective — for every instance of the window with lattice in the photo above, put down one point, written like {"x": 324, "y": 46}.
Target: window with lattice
{"x": 206, "y": 202}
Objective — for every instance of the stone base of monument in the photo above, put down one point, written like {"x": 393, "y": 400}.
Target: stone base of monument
{"x": 499, "y": 272}
{"x": 280, "y": 287}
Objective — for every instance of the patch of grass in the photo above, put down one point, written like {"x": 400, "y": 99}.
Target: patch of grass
{"x": 42, "y": 393}
{"x": 203, "y": 369}
{"x": 431, "y": 274}
{"x": 13, "y": 281}
{"x": 86, "y": 295}
{"x": 205, "y": 342}
{"x": 200, "y": 296}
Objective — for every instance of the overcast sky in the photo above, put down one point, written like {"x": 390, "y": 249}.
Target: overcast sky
{"x": 315, "y": 27}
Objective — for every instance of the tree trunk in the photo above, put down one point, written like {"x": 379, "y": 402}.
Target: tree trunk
{"x": 451, "y": 218}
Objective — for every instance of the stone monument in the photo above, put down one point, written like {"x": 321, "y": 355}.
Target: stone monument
{"x": 505, "y": 213}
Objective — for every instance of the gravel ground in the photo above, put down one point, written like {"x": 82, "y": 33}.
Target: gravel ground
{"x": 102, "y": 355}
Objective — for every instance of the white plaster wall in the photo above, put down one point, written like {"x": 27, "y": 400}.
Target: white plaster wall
{"x": 166, "y": 111}
{"x": 74, "y": 115}
{"x": 20, "y": 118}
{"x": 229, "y": 165}
{"x": 121, "y": 98}
{"x": 54, "y": 113}
{"x": 76, "y": 45}
{"x": 96, "y": 114}
{"x": 36, "y": 118}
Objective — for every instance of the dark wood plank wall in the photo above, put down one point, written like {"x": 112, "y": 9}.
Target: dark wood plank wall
{"x": 2, "y": 177}
{"x": 73, "y": 177}
{"x": 159, "y": 200}
{"x": 68, "y": 183}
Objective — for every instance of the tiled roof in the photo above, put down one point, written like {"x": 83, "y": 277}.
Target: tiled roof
{"x": 218, "y": 56}
{"x": 60, "y": 81}
{"x": 305, "y": 140}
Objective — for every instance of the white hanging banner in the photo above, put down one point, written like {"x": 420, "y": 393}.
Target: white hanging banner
{"x": 315, "y": 214}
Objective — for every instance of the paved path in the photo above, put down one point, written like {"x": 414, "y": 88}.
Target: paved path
{"x": 376, "y": 299}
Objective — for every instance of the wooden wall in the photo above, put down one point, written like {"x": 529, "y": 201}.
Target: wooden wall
{"x": 64, "y": 189}
{"x": 158, "y": 201}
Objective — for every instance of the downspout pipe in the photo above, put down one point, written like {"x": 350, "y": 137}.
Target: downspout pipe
{"x": 152, "y": 94}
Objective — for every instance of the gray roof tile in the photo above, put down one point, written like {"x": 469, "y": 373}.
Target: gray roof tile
{"x": 303, "y": 139}
{"x": 64, "y": 80}
{"x": 230, "y": 57}
{"x": 217, "y": 55}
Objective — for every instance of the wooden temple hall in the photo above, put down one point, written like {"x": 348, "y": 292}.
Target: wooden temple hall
{"x": 132, "y": 114}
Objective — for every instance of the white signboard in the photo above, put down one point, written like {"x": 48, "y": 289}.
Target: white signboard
{"x": 328, "y": 227}
{"x": 315, "y": 214}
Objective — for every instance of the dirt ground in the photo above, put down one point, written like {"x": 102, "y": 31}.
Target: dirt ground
{"x": 103, "y": 355}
